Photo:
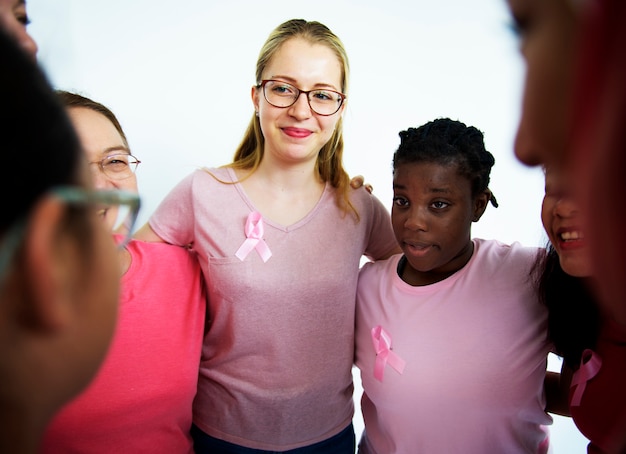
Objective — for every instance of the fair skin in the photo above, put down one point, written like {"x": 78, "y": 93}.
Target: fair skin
{"x": 547, "y": 32}
{"x": 100, "y": 139}
{"x": 14, "y": 19}
{"x": 286, "y": 186}
{"x": 432, "y": 213}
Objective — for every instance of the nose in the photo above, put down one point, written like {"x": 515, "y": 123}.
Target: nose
{"x": 565, "y": 207}
{"x": 415, "y": 220}
{"x": 301, "y": 108}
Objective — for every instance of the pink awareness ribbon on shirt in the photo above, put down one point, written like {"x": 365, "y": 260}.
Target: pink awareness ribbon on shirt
{"x": 590, "y": 364}
{"x": 384, "y": 355}
{"x": 254, "y": 238}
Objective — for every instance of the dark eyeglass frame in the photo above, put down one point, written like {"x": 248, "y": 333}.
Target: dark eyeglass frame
{"x": 342, "y": 97}
{"x": 72, "y": 195}
{"x": 133, "y": 162}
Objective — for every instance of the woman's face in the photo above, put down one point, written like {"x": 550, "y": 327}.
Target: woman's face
{"x": 432, "y": 213}
{"x": 563, "y": 223}
{"x": 13, "y": 19}
{"x": 296, "y": 134}
{"x": 547, "y": 30}
{"x": 101, "y": 140}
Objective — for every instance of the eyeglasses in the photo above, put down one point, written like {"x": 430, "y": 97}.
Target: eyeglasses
{"x": 321, "y": 101}
{"x": 121, "y": 207}
{"x": 118, "y": 166}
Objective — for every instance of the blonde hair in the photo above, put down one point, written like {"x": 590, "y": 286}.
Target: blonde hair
{"x": 330, "y": 157}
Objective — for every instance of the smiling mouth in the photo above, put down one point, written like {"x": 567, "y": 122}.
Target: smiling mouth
{"x": 574, "y": 235}
{"x": 297, "y": 132}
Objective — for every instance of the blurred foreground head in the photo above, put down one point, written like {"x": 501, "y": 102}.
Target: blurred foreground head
{"x": 58, "y": 265}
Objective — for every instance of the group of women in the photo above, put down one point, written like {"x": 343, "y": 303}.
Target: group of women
{"x": 275, "y": 238}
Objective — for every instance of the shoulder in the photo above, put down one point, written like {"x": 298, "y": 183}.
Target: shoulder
{"x": 370, "y": 270}
{"x": 369, "y": 207}
{"x": 495, "y": 248}
{"x": 501, "y": 257}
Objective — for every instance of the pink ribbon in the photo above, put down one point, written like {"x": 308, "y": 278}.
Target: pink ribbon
{"x": 384, "y": 355}
{"x": 590, "y": 364}
{"x": 254, "y": 238}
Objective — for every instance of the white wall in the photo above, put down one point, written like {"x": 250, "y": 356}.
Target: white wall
{"x": 178, "y": 76}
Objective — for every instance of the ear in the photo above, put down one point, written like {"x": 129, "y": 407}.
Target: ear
{"x": 480, "y": 204}
{"x": 47, "y": 267}
{"x": 254, "y": 94}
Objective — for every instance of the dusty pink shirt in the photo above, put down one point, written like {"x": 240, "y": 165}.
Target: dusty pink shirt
{"x": 475, "y": 347}
{"x": 276, "y": 364}
{"x": 141, "y": 398}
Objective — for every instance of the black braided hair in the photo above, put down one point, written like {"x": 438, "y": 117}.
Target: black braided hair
{"x": 445, "y": 141}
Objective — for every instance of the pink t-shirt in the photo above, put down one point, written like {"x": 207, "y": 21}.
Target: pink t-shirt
{"x": 475, "y": 351}
{"x": 141, "y": 398}
{"x": 276, "y": 363}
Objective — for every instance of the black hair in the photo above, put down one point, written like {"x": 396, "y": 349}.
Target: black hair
{"x": 573, "y": 315}
{"x": 445, "y": 141}
{"x": 39, "y": 147}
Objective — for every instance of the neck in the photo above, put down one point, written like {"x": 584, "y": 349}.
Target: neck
{"x": 293, "y": 179}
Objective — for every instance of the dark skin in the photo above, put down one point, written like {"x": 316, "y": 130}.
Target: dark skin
{"x": 433, "y": 210}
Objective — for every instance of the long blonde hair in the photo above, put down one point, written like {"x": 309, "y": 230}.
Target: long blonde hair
{"x": 330, "y": 157}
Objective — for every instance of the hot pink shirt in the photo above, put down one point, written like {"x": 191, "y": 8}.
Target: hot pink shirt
{"x": 475, "y": 347}
{"x": 141, "y": 398}
{"x": 276, "y": 363}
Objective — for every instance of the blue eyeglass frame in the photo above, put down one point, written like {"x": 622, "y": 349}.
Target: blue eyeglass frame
{"x": 73, "y": 195}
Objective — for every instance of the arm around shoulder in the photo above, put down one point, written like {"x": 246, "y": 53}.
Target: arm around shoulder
{"x": 145, "y": 233}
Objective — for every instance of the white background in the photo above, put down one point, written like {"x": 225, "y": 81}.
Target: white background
{"x": 178, "y": 76}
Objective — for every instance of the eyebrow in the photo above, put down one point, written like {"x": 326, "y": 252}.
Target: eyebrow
{"x": 316, "y": 86}
{"x": 430, "y": 190}
{"x": 115, "y": 150}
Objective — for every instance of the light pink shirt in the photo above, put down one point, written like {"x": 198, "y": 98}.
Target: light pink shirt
{"x": 276, "y": 367}
{"x": 475, "y": 347}
{"x": 141, "y": 398}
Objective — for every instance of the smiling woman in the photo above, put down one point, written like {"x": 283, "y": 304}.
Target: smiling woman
{"x": 286, "y": 197}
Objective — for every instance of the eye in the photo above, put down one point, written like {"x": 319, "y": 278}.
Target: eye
{"x": 283, "y": 89}
{"x": 400, "y": 201}
{"x": 117, "y": 163}
{"x": 23, "y": 19}
{"x": 439, "y": 205}
{"x": 324, "y": 96}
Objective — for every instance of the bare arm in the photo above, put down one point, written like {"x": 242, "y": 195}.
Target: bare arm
{"x": 556, "y": 387}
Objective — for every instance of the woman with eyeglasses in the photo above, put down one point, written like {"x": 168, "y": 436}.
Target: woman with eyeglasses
{"x": 59, "y": 277}
{"x": 141, "y": 399}
{"x": 280, "y": 235}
